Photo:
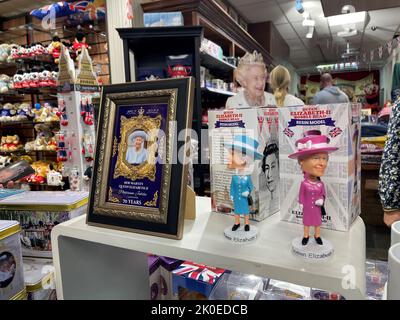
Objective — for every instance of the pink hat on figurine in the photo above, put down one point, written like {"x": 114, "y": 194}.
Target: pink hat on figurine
{"x": 313, "y": 142}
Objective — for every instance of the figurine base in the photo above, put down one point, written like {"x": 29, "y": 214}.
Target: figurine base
{"x": 312, "y": 251}
{"x": 240, "y": 235}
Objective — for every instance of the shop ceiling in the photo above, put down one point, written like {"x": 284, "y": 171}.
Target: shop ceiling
{"x": 325, "y": 46}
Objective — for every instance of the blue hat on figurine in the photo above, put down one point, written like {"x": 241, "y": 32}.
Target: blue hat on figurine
{"x": 245, "y": 145}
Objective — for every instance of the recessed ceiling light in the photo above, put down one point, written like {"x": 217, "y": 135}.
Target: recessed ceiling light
{"x": 348, "y": 18}
{"x": 310, "y": 33}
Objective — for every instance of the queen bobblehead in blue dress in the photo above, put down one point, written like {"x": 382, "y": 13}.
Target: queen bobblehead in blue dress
{"x": 241, "y": 152}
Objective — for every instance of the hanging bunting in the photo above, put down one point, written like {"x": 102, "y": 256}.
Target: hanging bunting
{"x": 371, "y": 55}
{"x": 389, "y": 46}
{"x": 380, "y": 52}
{"x": 129, "y": 9}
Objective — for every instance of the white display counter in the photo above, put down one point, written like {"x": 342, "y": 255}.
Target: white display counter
{"x": 99, "y": 263}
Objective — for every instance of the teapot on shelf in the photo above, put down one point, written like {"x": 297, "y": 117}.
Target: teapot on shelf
{"x": 179, "y": 71}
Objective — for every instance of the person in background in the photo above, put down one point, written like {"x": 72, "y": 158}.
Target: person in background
{"x": 280, "y": 81}
{"x": 350, "y": 94}
{"x": 329, "y": 94}
{"x": 251, "y": 74}
{"x": 389, "y": 175}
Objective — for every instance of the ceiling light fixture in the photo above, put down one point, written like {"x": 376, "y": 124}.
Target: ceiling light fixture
{"x": 348, "y": 18}
{"x": 347, "y": 32}
{"x": 310, "y": 32}
{"x": 308, "y": 22}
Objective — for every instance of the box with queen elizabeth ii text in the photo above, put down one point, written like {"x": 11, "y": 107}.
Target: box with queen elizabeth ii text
{"x": 260, "y": 124}
{"x": 341, "y": 124}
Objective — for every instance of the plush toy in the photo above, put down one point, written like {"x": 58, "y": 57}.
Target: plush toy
{"x": 7, "y": 112}
{"x": 40, "y": 113}
{"x": 14, "y": 52}
{"x": 13, "y": 143}
{"x": 43, "y": 137}
{"x": 25, "y": 79}
{"x": 3, "y": 143}
{"x": 34, "y": 80}
{"x": 24, "y": 112}
{"x": 53, "y": 78}
{"x": 39, "y": 49}
{"x": 18, "y": 78}
{"x": 41, "y": 169}
{"x": 5, "y": 50}
{"x": 5, "y": 83}
{"x": 79, "y": 43}
{"x": 5, "y": 161}
{"x": 54, "y": 48}
{"x": 44, "y": 76}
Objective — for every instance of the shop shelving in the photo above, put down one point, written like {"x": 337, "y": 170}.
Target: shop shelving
{"x": 203, "y": 241}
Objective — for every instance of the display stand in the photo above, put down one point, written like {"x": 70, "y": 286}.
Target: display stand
{"x": 76, "y": 90}
{"x": 99, "y": 263}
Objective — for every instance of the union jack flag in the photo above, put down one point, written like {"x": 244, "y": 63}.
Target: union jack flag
{"x": 335, "y": 132}
{"x": 79, "y": 5}
{"x": 199, "y": 272}
{"x": 93, "y": 10}
{"x": 288, "y": 132}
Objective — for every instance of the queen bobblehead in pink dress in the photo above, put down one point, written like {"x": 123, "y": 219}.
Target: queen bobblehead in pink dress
{"x": 309, "y": 193}
{"x": 312, "y": 155}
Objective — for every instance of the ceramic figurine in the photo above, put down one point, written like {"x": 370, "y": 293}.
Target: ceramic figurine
{"x": 54, "y": 178}
{"x": 312, "y": 155}
{"x": 241, "y": 152}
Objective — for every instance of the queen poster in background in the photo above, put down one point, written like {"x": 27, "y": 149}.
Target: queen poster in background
{"x": 138, "y": 130}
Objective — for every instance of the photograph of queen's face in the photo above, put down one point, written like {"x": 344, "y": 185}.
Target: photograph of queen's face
{"x": 136, "y": 152}
{"x": 270, "y": 167}
{"x": 7, "y": 269}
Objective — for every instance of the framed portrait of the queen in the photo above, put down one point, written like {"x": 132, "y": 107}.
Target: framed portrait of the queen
{"x": 142, "y": 129}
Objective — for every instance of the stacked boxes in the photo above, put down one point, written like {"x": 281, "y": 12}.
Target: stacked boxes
{"x": 38, "y": 212}
{"x": 39, "y": 279}
{"x": 195, "y": 280}
{"x": 12, "y": 286}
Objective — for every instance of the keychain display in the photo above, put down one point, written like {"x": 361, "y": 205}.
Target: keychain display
{"x": 74, "y": 182}
{"x": 87, "y": 146}
{"x": 87, "y": 111}
{"x": 62, "y": 112}
{"x": 61, "y": 151}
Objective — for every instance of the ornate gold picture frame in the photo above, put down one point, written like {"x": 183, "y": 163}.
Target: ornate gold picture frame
{"x": 135, "y": 165}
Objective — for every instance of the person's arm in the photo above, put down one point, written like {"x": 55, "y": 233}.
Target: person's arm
{"x": 302, "y": 193}
{"x": 389, "y": 180}
{"x": 233, "y": 187}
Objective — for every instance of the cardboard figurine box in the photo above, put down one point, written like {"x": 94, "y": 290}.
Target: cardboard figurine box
{"x": 260, "y": 124}
{"x": 12, "y": 285}
{"x": 192, "y": 280}
{"x": 341, "y": 124}
{"x": 168, "y": 265}
{"x": 38, "y": 212}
